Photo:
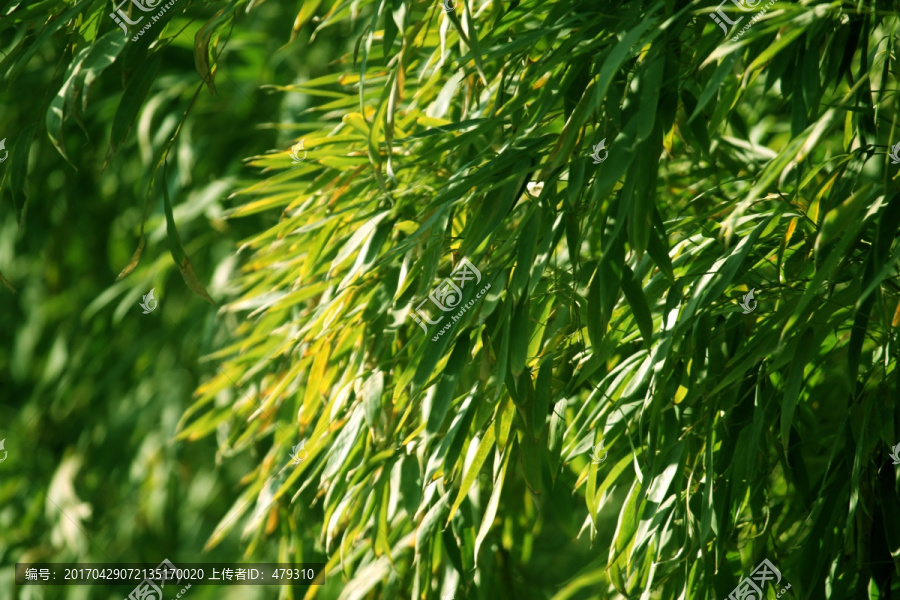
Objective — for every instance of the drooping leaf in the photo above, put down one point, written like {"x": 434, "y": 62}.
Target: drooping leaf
{"x": 177, "y": 250}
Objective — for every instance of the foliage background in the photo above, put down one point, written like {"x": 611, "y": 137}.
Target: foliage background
{"x": 461, "y": 464}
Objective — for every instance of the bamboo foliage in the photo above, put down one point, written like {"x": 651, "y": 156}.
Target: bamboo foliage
{"x": 460, "y": 458}
{"x": 611, "y": 314}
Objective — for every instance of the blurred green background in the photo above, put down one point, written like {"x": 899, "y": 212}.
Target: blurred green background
{"x": 91, "y": 389}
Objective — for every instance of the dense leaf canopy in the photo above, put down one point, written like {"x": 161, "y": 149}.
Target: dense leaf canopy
{"x": 655, "y": 265}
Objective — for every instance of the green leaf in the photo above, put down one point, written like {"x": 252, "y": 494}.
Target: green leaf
{"x": 542, "y": 395}
{"x": 90, "y": 62}
{"x": 640, "y": 309}
{"x": 781, "y": 41}
{"x": 724, "y": 69}
{"x": 132, "y": 101}
{"x": 204, "y": 46}
{"x": 617, "y": 57}
{"x": 410, "y": 483}
{"x": 658, "y": 249}
{"x": 433, "y": 351}
{"x": 135, "y": 258}
{"x": 519, "y": 336}
{"x": 371, "y": 396}
{"x": 525, "y": 252}
{"x": 348, "y": 438}
{"x": 603, "y": 293}
{"x": 533, "y": 450}
{"x": 177, "y": 250}
{"x": 19, "y": 173}
{"x": 485, "y": 445}
{"x": 490, "y": 510}
{"x": 437, "y": 408}
{"x": 4, "y": 281}
{"x": 627, "y": 523}
{"x": 307, "y": 10}
{"x": 50, "y": 27}
{"x": 837, "y": 219}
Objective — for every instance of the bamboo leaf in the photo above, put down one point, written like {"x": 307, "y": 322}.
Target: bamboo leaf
{"x": 177, "y": 250}
{"x": 640, "y": 309}
{"x": 485, "y": 445}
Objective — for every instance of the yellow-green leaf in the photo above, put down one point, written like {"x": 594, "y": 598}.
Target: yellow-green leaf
{"x": 484, "y": 448}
